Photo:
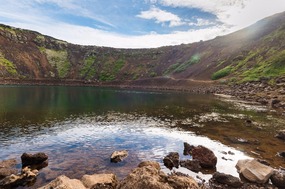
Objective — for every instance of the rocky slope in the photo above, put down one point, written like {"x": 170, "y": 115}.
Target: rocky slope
{"x": 246, "y": 55}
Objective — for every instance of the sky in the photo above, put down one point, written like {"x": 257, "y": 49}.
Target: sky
{"x": 135, "y": 23}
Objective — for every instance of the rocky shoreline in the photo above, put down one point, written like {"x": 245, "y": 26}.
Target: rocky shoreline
{"x": 266, "y": 92}
{"x": 148, "y": 174}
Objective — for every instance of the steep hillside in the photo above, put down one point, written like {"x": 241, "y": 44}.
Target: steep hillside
{"x": 249, "y": 54}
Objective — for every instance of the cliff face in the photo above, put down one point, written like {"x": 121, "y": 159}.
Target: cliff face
{"x": 249, "y": 54}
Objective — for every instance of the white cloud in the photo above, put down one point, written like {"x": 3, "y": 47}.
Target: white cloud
{"x": 235, "y": 13}
{"x": 201, "y": 22}
{"x": 161, "y": 17}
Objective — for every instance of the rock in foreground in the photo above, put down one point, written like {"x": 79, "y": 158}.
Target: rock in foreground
{"x": 205, "y": 156}
{"x": 100, "y": 181}
{"x": 254, "y": 171}
{"x": 63, "y": 182}
{"x": 193, "y": 165}
{"x": 146, "y": 176}
{"x": 33, "y": 159}
{"x": 280, "y": 135}
{"x": 26, "y": 176}
{"x": 118, "y": 156}
{"x": 150, "y": 176}
{"x": 226, "y": 180}
{"x": 171, "y": 160}
{"x": 7, "y": 167}
{"x": 278, "y": 178}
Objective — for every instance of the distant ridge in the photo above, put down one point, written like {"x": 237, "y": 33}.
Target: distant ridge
{"x": 252, "y": 53}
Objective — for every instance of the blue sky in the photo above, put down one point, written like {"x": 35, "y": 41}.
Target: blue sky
{"x": 135, "y": 23}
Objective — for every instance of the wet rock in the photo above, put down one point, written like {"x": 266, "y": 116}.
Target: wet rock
{"x": 248, "y": 122}
{"x": 205, "y": 156}
{"x": 280, "y": 134}
{"x": 118, "y": 156}
{"x": 7, "y": 167}
{"x": 254, "y": 171}
{"x": 33, "y": 159}
{"x": 278, "y": 178}
{"x": 150, "y": 163}
{"x": 151, "y": 177}
{"x": 26, "y": 176}
{"x": 63, "y": 182}
{"x": 273, "y": 103}
{"x": 193, "y": 165}
{"x": 171, "y": 160}
{"x": 187, "y": 149}
{"x": 281, "y": 154}
{"x": 231, "y": 153}
{"x": 99, "y": 181}
{"x": 226, "y": 180}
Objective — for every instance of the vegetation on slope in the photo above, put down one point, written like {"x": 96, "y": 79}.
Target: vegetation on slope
{"x": 111, "y": 69}
{"x": 88, "y": 70}
{"x": 271, "y": 67}
{"x": 235, "y": 57}
{"x": 59, "y": 60}
{"x": 222, "y": 73}
{"x": 8, "y": 66}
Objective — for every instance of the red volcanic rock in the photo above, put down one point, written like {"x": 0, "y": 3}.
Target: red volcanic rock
{"x": 205, "y": 156}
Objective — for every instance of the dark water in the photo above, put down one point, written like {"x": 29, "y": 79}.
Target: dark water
{"x": 79, "y": 128}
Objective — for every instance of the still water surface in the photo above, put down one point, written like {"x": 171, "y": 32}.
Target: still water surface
{"x": 79, "y": 128}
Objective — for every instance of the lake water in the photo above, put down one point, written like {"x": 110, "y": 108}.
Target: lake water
{"x": 79, "y": 128}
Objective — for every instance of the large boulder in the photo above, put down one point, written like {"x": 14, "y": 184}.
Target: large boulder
{"x": 118, "y": 156}
{"x": 7, "y": 167}
{"x": 226, "y": 180}
{"x": 99, "y": 181}
{"x": 205, "y": 156}
{"x": 193, "y": 165}
{"x": 26, "y": 176}
{"x": 280, "y": 135}
{"x": 33, "y": 159}
{"x": 63, "y": 182}
{"x": 254, "y": 171}
{"x": 150, "y": 176}
{"x": 278, "y": 178}
{"x": 171, "y": 160}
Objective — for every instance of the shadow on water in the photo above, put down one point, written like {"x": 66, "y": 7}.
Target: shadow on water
{"x": 79, "y": 127}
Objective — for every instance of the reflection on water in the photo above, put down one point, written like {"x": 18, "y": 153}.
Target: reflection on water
{"x": 80, "y": 127}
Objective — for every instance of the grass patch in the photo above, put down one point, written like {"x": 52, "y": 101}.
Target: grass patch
{"x": 119, "y": 64}
{"x": 222, "y": 73}
{"x": 272, "y": 67}
{"x": 111, "y": 69}
{"x": 59, "y": 60}
{"x": 153, "y": 74}
{"x": 88, "y": 70}
{"x": 182, "y": 67}
{"x": 106, "y": 76}
{"x": 171, "y": 68}
{"x": 8, "y": 65}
